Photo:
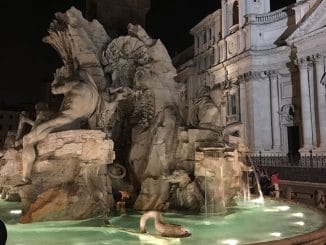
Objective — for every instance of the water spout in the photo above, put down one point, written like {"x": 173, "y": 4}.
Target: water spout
{"x": 260, "y": 199}
{"x": 205, "y": 194}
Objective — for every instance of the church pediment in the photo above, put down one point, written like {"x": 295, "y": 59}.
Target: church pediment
{"x": 313, "y": 21}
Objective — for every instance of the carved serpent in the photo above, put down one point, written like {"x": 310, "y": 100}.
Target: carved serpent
{"x": 166, "y": 230}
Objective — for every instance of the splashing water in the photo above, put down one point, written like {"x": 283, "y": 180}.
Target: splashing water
{"x": 260, "y": 199}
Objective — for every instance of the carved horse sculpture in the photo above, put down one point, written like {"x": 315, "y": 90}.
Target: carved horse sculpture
{"x": 81, "y": 99}
{"x": 188, "y": 195}
{"x": 205, "y": 113}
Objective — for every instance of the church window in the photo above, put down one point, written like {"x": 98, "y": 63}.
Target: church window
{"x": 233, "y": 107}
{"x": 212, "y": 58}
{"x": 235, "y": 13}
{"x": 206, "y": 63}
{"x": 233, "y": 104}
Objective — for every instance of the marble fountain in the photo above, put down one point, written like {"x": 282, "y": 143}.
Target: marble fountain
{"x": 123, "y": 143}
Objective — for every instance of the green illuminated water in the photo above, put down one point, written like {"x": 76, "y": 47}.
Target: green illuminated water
{"x": 242, "y": 225}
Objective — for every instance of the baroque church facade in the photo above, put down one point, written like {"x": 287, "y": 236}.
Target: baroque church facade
{"x": 270, "y": 68}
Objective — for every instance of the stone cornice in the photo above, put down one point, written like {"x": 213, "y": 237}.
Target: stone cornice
{"x": 204, "y": 22}
{"x": 236, "y": 58}
{"x": 249, "y": 76}
{"x": 258, "y": 75}
{"x": 314, "y": 20}
{"x": 272, "y": 51}
{"x": 298, "y": 41}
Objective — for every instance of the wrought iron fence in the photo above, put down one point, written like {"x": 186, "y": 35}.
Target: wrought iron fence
{"x": 312, "y": 160}
{"x": 310, "y": 167}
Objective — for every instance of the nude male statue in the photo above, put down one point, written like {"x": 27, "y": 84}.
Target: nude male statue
{"x": 81, "y": 99}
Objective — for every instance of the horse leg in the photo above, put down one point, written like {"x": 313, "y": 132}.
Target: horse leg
{"x": 35, "y": 136}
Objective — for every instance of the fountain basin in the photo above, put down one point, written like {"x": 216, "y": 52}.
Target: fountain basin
{"x": 273, "y": 223}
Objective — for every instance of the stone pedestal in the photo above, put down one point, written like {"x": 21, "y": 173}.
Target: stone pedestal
{"x": 219, "y": 174}
{"x": 69, "y": 177}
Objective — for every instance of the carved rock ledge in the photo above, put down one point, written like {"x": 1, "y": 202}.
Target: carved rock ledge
{"x": 69, "y": 177}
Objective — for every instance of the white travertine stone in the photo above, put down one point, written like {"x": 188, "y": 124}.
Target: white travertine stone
{"x": 312, "y": 98}
{"x": 321, "y": 98}
{"x": 87, "y": 145}
{"x": 196, "y": 135}
{"x": 275, "y": 116}
{"x": 305, "y": 107}
{"x": 254, "y": 46}
{"x": 10, "y": 163}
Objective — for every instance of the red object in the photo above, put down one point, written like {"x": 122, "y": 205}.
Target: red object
{"x": 274, "y": 179}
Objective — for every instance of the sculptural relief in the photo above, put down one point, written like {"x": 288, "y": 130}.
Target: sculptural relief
{"x": 287, "y": 113}
{"x": 186, "y": 194}
{"x": 206, "y": 112}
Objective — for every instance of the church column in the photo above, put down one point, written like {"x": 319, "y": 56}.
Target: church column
{"x": 321, "y": 101}
{"x": 311, "y": 82}
{"x": 305, "y": 106}
{"x": 275, "y": 112}
{"x": 243, "y": 107}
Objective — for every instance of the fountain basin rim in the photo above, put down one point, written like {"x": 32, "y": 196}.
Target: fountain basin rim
{"x": 315, "y": 236}
{"x": 318, "y": 235}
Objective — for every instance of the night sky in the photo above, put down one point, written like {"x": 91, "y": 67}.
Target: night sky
{"x": 26, "y": 61}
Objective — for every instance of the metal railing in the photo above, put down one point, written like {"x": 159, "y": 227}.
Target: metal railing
{"x": 311, "y": 160}
{"x": 272, "y": 16}
{"x": 309, "y": 167}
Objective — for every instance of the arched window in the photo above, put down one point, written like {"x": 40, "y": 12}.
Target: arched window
{"x": 235, "y": 12}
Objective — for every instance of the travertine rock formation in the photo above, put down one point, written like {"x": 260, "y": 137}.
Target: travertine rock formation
{"x": 121, "y": 89}
{"x": 69, "y": 176}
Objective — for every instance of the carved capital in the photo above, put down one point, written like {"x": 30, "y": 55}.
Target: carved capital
{"x": 272, "y": 74}
{"x": 323, "y": 80}
{"x": 254, "y": 75}
{"x": 248, "y": 76}
{"x": 241, "y": 79}
{"x": 318, "y": 58}
{"x": 302, "y": 62}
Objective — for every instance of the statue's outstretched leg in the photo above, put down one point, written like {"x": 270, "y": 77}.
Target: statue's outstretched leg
{"x": 35, "y": 136}
{"x": 28, "y": 157}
